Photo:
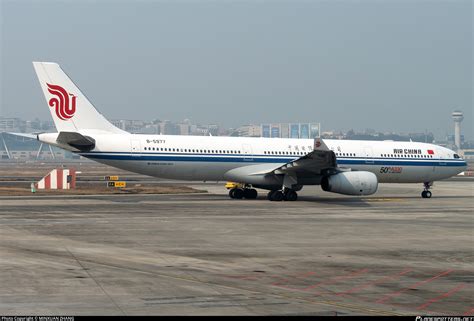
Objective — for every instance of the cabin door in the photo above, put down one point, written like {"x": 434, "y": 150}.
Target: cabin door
{"x": 247, "y": 151}
{"x": 135, "y": 147}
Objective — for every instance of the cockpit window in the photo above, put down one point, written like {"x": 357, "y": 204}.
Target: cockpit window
{"x": 456, "y": 156}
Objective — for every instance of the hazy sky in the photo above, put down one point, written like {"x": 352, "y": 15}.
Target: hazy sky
{"x": 387, "y": 65}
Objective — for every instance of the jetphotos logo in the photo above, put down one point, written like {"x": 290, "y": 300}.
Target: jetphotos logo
{"x": 63, "y": 103}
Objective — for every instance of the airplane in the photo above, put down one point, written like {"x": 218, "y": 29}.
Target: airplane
{"x": 280, "y": 165}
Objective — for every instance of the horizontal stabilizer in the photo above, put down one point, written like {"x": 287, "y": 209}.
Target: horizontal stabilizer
{"x": 25, "y": 135}
{"x": 76, "y": 140}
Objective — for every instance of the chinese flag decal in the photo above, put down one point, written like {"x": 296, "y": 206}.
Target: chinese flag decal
{"x": 430, "y": 151}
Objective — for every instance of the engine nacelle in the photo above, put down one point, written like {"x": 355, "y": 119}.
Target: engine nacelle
{"x": 351, "y": 183}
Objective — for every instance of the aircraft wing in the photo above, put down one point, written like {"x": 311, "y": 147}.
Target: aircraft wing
{"x": 321, "y": 159}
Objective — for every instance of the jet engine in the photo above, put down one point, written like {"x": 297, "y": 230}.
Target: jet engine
{"x": 351, "y": 183}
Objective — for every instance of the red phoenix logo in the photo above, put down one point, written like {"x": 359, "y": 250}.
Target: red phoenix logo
{"x": 64, "y": 105}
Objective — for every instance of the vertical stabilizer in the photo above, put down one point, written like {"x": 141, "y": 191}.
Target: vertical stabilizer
{"x": 69, "y": 107}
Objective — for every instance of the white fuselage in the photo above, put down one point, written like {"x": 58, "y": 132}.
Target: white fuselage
{"x": 206, "y": 158}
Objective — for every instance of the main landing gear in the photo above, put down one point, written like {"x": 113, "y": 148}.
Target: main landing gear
{"x": 239, "y": 193}
{"x": 426, "y": 192}
{"x": 283, "y": 195}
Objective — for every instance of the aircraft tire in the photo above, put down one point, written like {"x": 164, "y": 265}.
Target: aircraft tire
{"x": 426, "y": 194}
{"x": 291, "y": 196}
{"x": 277, "y": 196}
{"x": 270, "y": 195}
{"x": 238, "y": 193}
{"x": 250, "y": 193}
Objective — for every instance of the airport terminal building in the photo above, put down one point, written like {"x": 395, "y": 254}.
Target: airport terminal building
{"x": 281, "y": 130}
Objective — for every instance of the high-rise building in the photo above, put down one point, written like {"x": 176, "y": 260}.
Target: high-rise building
{"x": 304, "y": 131}
{"x": 266, "y": 130}
{"x": 12, "y": 125}
{"x": 275, "y": 131}
{"x": 285, "y": 130}
{"x": 294, "y": 130}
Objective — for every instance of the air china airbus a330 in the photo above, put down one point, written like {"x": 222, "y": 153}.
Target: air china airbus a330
{"x": 282, "y": 166}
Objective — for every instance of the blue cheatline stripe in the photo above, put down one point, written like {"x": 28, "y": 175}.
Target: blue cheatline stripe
{"x": 223, "y": 158}
{"x": 190, "y": 158}
{"x": 370, "y": 161}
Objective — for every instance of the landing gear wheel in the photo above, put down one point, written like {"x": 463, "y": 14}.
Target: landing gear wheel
{"x": 426, "y": 194}
{"x": 250, "y": 193}
{"x": 276, "y": 196}
{"x": 270, "y": 195}
{"x": 291, "y": 196}
{"x": 236, "y": 193}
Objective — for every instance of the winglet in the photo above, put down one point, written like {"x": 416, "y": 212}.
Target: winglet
{"x": 319, "y": 144}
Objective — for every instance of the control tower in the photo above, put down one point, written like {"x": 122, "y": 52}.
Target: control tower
{"x": 457, "y": 117}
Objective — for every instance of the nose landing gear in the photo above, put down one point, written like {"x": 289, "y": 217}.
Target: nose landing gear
{"x": 426, "y": 192}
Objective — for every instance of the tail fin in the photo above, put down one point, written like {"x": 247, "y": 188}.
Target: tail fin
{"x": 70, "y": 108}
